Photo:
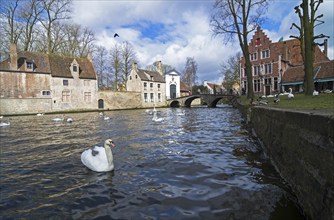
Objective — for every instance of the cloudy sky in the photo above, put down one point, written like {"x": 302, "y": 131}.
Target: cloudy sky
{"x": 172, "y": 30}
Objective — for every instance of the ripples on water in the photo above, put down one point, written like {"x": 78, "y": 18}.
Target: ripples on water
{"x": 202, "y": 165}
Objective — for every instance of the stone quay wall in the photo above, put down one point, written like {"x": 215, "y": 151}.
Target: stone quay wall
{"x": 301, "y": 147}
{"x": 13, "y": 106}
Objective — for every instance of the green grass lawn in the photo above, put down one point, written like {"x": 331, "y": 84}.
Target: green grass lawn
{"x": 301, "y": 102}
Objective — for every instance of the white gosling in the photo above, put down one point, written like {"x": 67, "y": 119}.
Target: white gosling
{"x": 315, "y": 93}
{"x": 99, "y": 159}
{"x": 290, "y": 95}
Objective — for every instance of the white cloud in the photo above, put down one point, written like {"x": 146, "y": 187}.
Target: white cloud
{"x": 184, "y": 30}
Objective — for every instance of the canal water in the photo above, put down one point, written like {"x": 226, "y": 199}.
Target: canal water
{"x": 200, "y": 165}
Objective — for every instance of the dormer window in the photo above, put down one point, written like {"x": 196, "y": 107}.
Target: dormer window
{"x": 152, "y": 78}
{"x": 29, "y": 65}
{"x": 75, "y": 68}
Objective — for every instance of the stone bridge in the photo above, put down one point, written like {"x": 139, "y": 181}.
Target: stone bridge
{"x": 210, "y": 100}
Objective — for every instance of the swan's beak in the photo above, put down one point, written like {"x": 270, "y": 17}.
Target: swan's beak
{"x": 112, "y": 144}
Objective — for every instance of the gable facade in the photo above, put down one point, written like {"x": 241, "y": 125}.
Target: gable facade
{"x": 173, "y": 84}
{"x": 270, "y": 60}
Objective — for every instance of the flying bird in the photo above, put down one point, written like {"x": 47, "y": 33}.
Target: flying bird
{"x": 116, "y": 35}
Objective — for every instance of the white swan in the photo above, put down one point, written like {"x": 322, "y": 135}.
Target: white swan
{"x": 155, "y": 117}
{"x": 315, "y": 93}
{"x": 181, "y": 113}
{"x": 99, "y": 159}
{"x": 1, "y": 116}
{"x": 290, "y": 96}
{"x": 69, "y": 120}
{"x": 39, "y": 114}
{"x": 4, "y": 124}
{"x": 58, "y": 119}
{"x": 106, "y": 117}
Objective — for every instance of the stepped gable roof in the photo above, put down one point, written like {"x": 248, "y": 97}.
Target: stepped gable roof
{"x": 146, "y": 75}
{"x": 56, "y": 65}
{"x": 322, "y": 70}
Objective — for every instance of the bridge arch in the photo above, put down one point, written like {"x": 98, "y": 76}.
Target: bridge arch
{"x": 214, "y": 102}
{"x": 175, "y": 104}
{"x": 189, "y": 100}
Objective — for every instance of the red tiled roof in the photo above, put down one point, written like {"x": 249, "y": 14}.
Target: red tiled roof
{"x": 184, "y": 87}
{"x": 321, "y": 70}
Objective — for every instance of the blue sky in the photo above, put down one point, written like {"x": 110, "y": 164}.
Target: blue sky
{"x": 171, "y": 30}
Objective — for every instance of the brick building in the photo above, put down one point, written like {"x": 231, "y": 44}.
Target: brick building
{"x": 270, "y": 61}
{"x": 33, "y": 82}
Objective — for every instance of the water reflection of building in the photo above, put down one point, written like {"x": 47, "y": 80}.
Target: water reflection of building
{"x": 36, "y": 82}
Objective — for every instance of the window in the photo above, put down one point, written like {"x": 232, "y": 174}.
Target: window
{"x": 66, "y": 96}
{"x": 264, "y": 54}
{"x": 152, "y": 78}
{"x": 151, "y": 86}
{"x": 145, "y": 86}
{"x": 75, "y": 68}
{"x": 87, "y": 96}
{"x": 258, "y": 42}
{"x": 136, "y": 76}
{"x": 145, "y": 97}
{"x": 152, "y": 97}
{"x": 257, "y": 70}
{"x": 65, "y": 82}
{"x": 275, "y": 83}
{"x": 130, "y": 77}
{"x": 86, "y": 82}
{"x": 253, "y": 56}
{"x": 159, "y": 87}
{"x": 159, "y": 97}
{"x": 267, "y": 68}
{"x": 257, "y": 85}
{"x": 46, "y": 93}
{"x": 30, "y": 65}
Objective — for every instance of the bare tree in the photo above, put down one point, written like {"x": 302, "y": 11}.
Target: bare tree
{"x": 100, "y": 64}
{"x": 55, "y": 10}
{"x": 128, "y": 57}
{"x": 230, "y": 70}
{"x": 239, "y": 18}
{"x": 116, "y": 63}
{"x": 307, "y": 38}
{"x": 190, "y": 72}
{"x": 9, "y": 11}
{"x": 29, "y": 13}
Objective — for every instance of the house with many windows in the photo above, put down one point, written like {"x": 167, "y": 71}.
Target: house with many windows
{"x": 150, "y": 84}
{"x": 271, "y": 60}
{"x": 36, "y": 82}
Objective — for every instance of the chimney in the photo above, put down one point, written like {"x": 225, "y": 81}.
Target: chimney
{"x": 134, "y": 66}
{"x": 325, "y": 47}
{"x": 13, "y": 56}
{"x": 160, "y": 67}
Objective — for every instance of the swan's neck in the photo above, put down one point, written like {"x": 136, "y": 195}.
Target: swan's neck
{"x": 108, "y": 153}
